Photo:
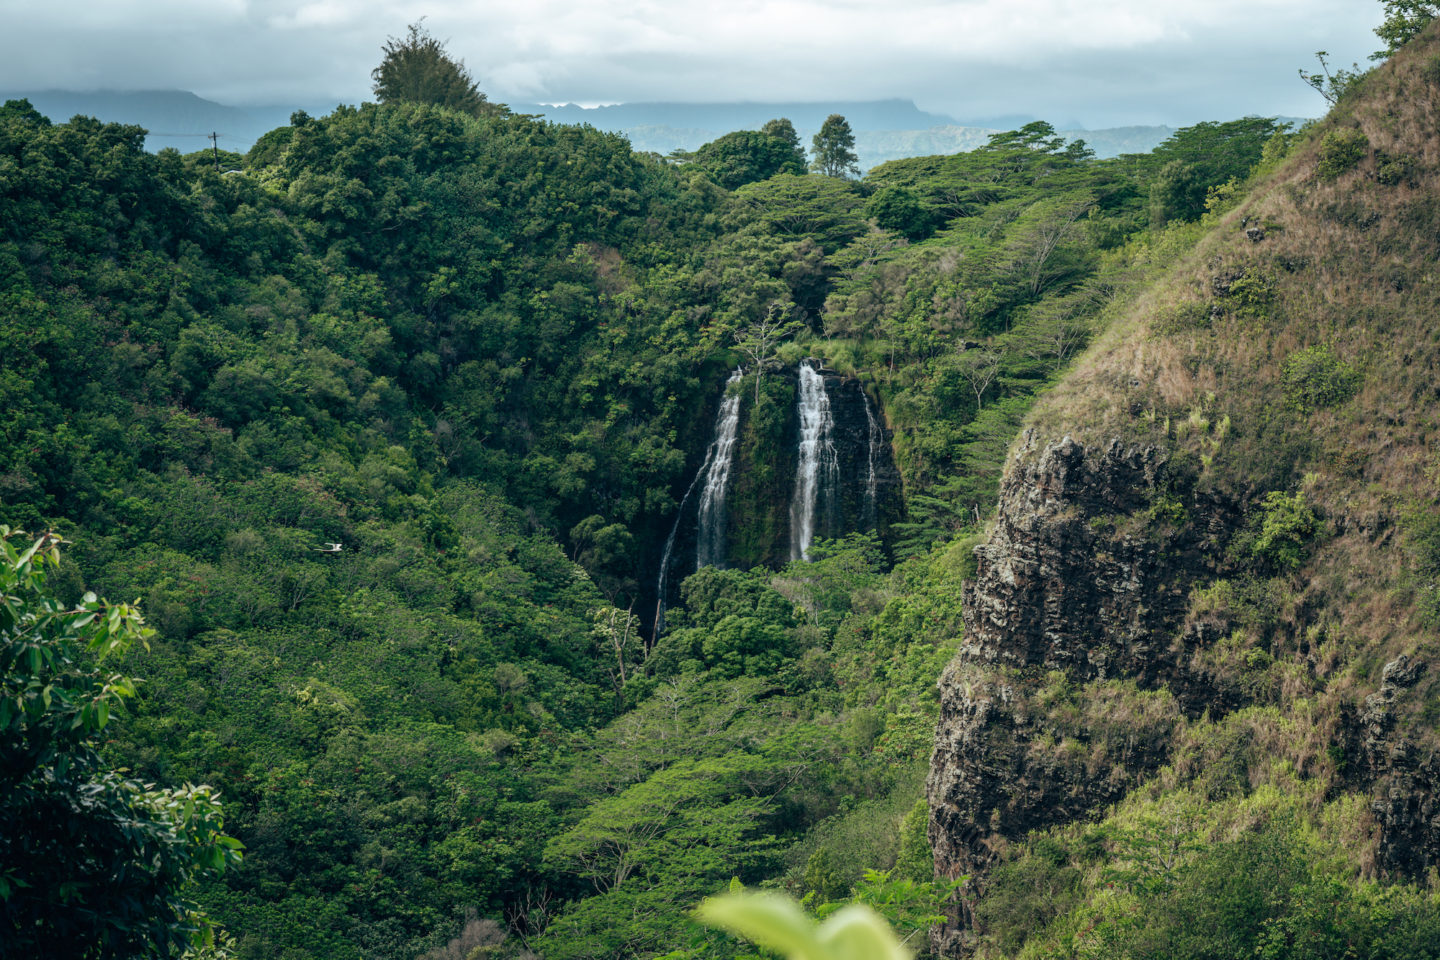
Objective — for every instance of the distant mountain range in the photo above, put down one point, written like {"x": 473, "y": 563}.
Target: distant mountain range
{"x": 884, "y": 129}
{"x": 724, "y": 117}
{"x": 174, "y": 118}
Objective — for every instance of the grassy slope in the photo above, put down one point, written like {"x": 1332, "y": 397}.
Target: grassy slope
{"x": 1346, "y": 266}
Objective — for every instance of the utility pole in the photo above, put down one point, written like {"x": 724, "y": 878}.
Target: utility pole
{"x": 215, "y": 147}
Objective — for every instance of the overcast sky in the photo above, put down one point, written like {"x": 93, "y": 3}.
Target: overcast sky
{"x": 1098, "y": 63}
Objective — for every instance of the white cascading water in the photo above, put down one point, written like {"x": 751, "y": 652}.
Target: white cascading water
{"x": 710, "y": 537}
{"x": 818, "y": 472}
{"x": 726, "y": 420}
{"x": 872, "y": 482}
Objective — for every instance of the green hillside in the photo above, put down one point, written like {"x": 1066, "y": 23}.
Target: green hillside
{"x": 386, "y": 425}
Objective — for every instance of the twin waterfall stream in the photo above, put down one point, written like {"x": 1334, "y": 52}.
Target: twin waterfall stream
{"x": 817, "y": 480}
{"x": 820, "y": 503}
{"x": 710, "y": 545}
{"x": 710, "y": 540}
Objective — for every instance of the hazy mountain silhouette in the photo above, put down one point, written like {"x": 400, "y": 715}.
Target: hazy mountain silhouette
{"x": 884, "y": 129}
{"x": 174, "y": 118}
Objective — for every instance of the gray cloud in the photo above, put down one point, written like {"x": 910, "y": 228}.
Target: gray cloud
{"x": 1100, "y": 64}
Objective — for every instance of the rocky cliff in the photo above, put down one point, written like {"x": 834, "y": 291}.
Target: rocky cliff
{"x": 1081, "y": 572}
{"x": 1083, "y": 582}
{"x": 1214, "y": 568}
{"x": 1403, "y": 776}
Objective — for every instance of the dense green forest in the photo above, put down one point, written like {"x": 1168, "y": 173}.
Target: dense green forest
{"x": 386, "y": 422}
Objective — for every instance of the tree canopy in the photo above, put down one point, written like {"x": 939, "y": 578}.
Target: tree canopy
{"x": 92, "y": 863}
{"x": 417, "y": 69}
{"x": 834, "y": 148}
{"x": 746, "y": 156}
{"x": 483, "y": 355}
{"x": 782, "y": 128}
{"x": 1206, "y": 155}
{"x": 1403, "y": 20}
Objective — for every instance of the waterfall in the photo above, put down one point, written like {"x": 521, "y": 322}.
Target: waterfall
{"x": 818, "y": 474}
{"x": 726, "y": 421}
{"x": 710, "y": 539}
{"x": 872, "y": 483}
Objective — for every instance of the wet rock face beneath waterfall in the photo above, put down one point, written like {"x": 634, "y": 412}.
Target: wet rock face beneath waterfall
{"x": 855, "y": 485}
{"x": 1073, "y": 581}
{"x": 851, "y": 433}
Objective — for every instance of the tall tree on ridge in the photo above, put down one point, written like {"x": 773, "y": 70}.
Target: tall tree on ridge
{"x": 746, "y": 156}
{"x": 834, "y": 150}
{"x": 1403, "y": 20}
{"x": 416, "y": 68}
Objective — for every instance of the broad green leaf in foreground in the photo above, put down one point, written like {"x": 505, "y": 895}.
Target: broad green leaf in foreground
{"x": 777, "y": 922}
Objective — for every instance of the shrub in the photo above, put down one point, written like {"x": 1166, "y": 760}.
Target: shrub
{"x": 825, "y": 875}
{"x": 1314, "y": 378}
{"x": 916, "y": 861}
{"x": 1167, "y": 510}
{"x": 1287, "y": 525}
{"x": 1341, "y": 150}
{"x": 1421, "y": 526}
{"x": 1025, "y": 895}
{"x": 1251, "y": 294}
{"x": 1395, "y": 170}
{"x": 1431, "y": 70}
{"x": 1179, "y": 317}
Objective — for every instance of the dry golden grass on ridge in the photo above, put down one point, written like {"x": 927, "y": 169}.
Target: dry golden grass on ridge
{"x": 1350, "y": 264}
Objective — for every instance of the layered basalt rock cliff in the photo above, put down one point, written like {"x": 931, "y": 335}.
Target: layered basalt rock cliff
{"x": 1087, "y": 581}
{"x": 1084, "y": 577}
{"x": 1404, "y": 779}
{"x": 1058, "y": 585}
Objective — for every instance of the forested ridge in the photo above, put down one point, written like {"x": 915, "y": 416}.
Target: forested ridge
{"x": 385, "y": 425}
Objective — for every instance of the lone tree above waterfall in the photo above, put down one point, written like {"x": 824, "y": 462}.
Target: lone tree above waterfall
{"x": 760, "y": 342}
{"x": 834, "y": 149}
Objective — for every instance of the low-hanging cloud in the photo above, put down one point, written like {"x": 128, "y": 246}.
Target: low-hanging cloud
{"x": 1099, "y": 63}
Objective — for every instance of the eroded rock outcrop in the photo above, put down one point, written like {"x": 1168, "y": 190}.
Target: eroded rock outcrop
{"x": 1085, "y": 580}
{"x": 1404, "y": 776}
{"x": 1058, "y": 585}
